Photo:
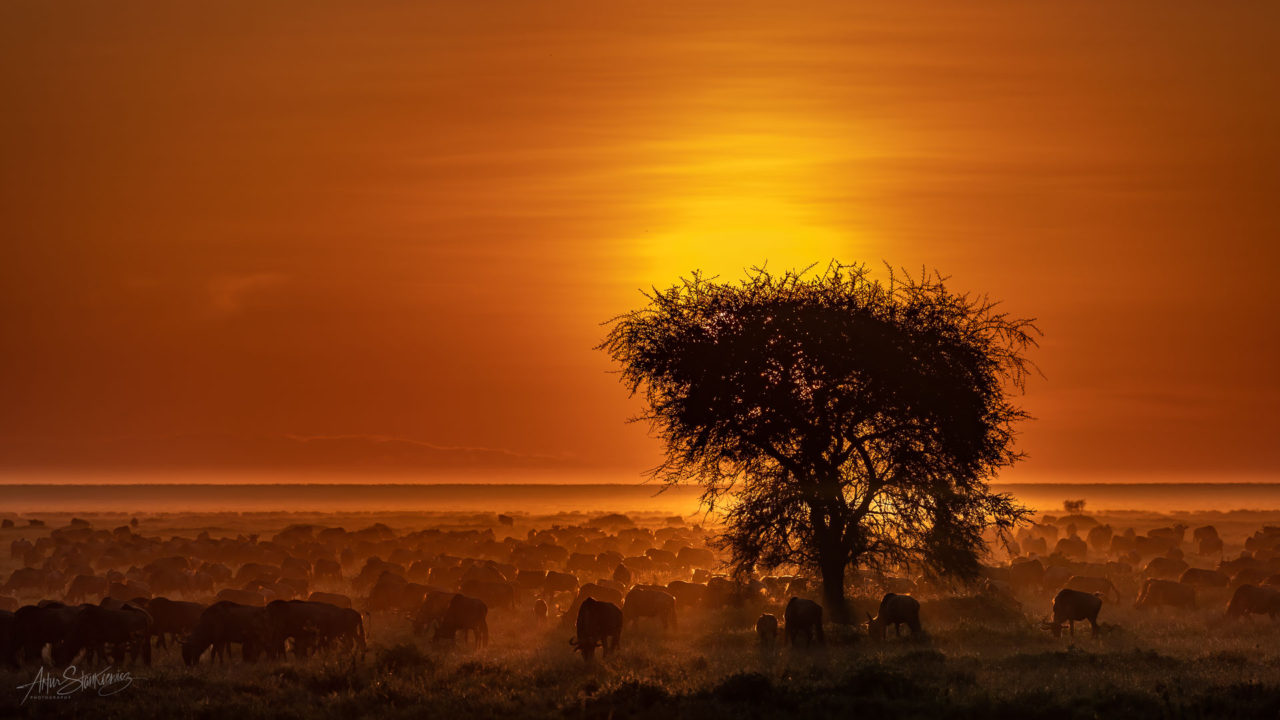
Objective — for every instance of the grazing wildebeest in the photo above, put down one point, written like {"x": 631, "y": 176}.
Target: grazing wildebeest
{"x": 540, "y": 611}
{"x": 347, "y": 627}
{"x": 1165, "y": 568}
{"x": 82, "y": 587}
{"x": 1026, "y": 574}
{"x": 126, "y": 629}
{"x": 223, "y": 623}
{"x": 896, "y": 610}
{"x": 335, "y": 599}
{"x": 1199, "y": 577}
{"x": 599, "y": 623}
{"x": 431, "y": 610}
{"x": 1254, "y": 600}
{"x": 1072, "y": 605}
{"x": 35, "y": 626}
{"x": 767, "y": 630}
{"x": 689, "y": 596}
{"x": 1166, "y": 593}
{"x": 1093, "y": 584}
{"x": 595, "y": 591}
{"x": 802, "y": 618}
{"x": 312, "y": 625}
{"x": 464, "y": 614}
{"x": 647, "y": 602}
{"x": 177, "y": 618}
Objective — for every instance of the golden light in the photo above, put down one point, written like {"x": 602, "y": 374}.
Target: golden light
{"x": 729, "y": 201}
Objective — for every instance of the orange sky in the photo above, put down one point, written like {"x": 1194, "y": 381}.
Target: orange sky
{"x": 308, "y": 236}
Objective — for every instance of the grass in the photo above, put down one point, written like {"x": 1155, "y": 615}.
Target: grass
{"x": 1150, "y": 667}
{"x": 977, "y": 662}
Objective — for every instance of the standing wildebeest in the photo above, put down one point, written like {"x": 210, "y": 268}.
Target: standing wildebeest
{"x": 465, "y": 614}
{"x": 223, "y": 623}
{"x": 648, "y": 602}
{"x": 1199, "y": 577}
{"x": 1166, "y": 593}
{"x": 599, "y": 623}
{"x": 802, "y": 618}
{"x": 1254, "y": 600}
{"x": 1165, "y": 568}
{"x": 310, "y": 625}
{"x": 177, "y": 618}
{"x": 895, "y": 610}
{"x": 767, "y": 630}
{"x": 128, "y": 628}
{"x": 1072, "y": 605}
{"x": 35, "y": 626}
{"x": 346, "y": 628}
{"x": 335, "y": 599}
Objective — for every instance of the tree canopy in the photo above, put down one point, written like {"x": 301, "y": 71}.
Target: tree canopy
{"x": 837, "y": 420}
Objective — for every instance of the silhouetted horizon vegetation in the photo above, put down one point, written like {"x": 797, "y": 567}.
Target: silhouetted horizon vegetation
{"x": 838, "y": 420}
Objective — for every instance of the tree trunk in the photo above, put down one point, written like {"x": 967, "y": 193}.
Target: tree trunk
{"x": 833, "y": 567}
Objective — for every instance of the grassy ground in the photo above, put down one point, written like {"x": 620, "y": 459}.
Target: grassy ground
{"x": 1138, "y": 667}
{"x": 988, "y": 665}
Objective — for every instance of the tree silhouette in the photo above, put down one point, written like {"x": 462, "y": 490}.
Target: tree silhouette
{"x": 835, "y": 419}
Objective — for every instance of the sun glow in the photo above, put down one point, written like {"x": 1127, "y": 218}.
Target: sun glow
{"x": 732, "y": 201}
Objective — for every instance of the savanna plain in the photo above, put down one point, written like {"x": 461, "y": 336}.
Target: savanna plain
{"x": 984, "y": 651}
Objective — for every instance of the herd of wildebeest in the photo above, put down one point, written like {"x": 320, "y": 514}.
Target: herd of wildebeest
{"x": 86, "y": 594}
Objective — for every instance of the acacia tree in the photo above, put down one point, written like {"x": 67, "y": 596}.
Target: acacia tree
{"x": 835, "y": 419}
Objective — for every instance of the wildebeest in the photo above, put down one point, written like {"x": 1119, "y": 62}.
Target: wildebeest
{"x": 647, "y": 602}
{"x": 1254, "y": 600}
{"x": 95, "y": 628}
{"x": 83, "y": 587}
{"x": 802, "y": 618}
{"x": 1072, "y": 605}
{"x": 896, "y": 610}
{"x": 335, "y": 599}
{"x": 1166, "y": 593}
{"x": 223, "y": 623}
{"x": 767, "y": 630}
{"x": 242, "y": 597}
{"x": 595, "y": 591}
{"x": 35, "y": 626}
{"x": 431, "y": 610}
{"x": 176, "y": 618}
{"x": 1094, "y": 584}
{"x": 464, "y": 614}
{"x": 540, "y": 611}
{"x": 312, "y": 625}
{"x": 1026, "y": 574}
{"x": 689, "y": 596}
{"x": 1199, "y": 577}
{"x": 599, "y": 623}
{"x": 560, "y": 582}
{"x": 1165, "y": 568}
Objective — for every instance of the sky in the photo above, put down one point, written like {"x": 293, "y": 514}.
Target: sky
{"x": 298, "y": 238}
